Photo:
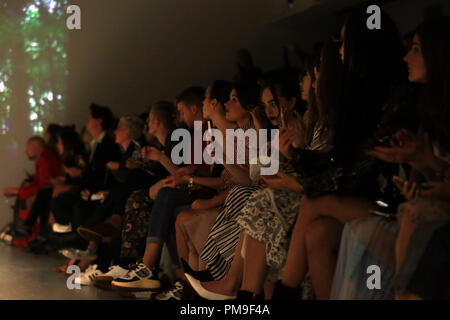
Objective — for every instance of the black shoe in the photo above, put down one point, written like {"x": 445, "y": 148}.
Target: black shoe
{"x": 22, "y": 231}
{"x": 40, "y": 245}
{"x": 68, "y": 240}
{"x": 282, "y": 292}
{"x": 203, "y": 276}
{"x": 245, "y": 295}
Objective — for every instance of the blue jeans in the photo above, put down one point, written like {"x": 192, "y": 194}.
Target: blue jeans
{"x": 164, "y": 213}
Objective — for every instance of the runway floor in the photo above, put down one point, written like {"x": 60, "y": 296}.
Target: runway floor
{"x": 27, "y": 276}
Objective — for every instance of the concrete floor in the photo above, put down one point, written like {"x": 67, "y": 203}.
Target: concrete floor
{"x": 27, "y": 276}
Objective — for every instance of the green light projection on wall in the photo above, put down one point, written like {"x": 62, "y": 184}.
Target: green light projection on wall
{"x": 38, "y": 29}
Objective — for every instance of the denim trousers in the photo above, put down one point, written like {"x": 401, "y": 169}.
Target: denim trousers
{"x": 162, "y": 218}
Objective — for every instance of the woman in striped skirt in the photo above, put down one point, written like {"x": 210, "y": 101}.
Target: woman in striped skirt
{"x": 219, "y": 249}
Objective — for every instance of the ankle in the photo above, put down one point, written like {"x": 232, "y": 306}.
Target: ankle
{"x": 244, "y": 295}
{"x": 248, "y": 295}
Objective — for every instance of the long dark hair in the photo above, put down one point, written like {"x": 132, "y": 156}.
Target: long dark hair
{"x": 248, "y": 95}
{"x": 310, "y": 63}
{"x": 74, "y": 149}
{"x": 284, "y": 83}
{"x": 220, "y": 90}
{"x": 54, "y": 130}
{"x": 329, "y": 84}
{"x": 434, "y": 105}
{"x": 373, "y": 67}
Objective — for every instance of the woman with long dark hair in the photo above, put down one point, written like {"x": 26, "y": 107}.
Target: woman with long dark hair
{"x": 376, "y": 237}
{"x": 428, "y": 153}
{"x": 345, "y": 186}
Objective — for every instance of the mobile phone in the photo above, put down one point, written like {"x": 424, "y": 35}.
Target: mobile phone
{"x": 383, "y": 214}
{"x": 136, "y": 143}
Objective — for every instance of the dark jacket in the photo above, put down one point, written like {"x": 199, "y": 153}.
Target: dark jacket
{"x": 97, "y": 177}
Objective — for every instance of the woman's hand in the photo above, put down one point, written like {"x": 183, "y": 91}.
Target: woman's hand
{"x": 295, "y": 126}
{"x": 57, "y": 180}
{"x": 59, "y": 189}
{"x": 174, "y": 180}
{"x": 74, "y": 172}
{"x": 85, "y": 194}
{"x": 112, "y": 165}
{"x": 436, "y": 189}
{"x": 185, "y": 171}
{"x": 281, "y": 181}
{"x": 286, "y": 139}
{"x": 10, "y": 192}
{"x": 412, "y": 149}
{"x": 409, "y": 190}
{"x": 202, "y": 204}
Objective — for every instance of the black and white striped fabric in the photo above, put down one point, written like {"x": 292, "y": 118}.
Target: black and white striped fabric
{"x": 220, "y": 247}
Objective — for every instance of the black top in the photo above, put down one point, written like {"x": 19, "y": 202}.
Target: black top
{"x": 97, "y": 177}
{"x": 323, "y": 172}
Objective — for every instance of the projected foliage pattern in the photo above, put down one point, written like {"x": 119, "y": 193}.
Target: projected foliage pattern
{"x": 33, "y": 38}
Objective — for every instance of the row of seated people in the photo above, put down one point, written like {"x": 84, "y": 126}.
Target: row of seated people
{"x": 363, "y": 181}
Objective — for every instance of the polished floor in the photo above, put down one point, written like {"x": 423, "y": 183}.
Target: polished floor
{"x": 27, "y": 276}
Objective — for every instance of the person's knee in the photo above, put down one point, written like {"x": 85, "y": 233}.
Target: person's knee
{"x": 183, "y": 216}
{"x": 166, "y": 192}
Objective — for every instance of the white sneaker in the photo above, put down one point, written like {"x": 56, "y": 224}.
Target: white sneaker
{"x": 61, "y": 228}
{"x": 87, "y": 277}
{"x": 115, "y": 272}
{"x": 103, "y": 281}
{"x": 174, "y": 292}
{"x": 139, "y": 277}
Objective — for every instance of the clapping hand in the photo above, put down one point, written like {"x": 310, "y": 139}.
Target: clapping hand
{"x": 410, "y": 148}
{"x": 281, "y": 181}
{"x": 175, "y": 180}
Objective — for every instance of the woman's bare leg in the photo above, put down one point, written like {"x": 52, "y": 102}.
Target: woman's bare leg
{"x": 407, "y": 228}
{"x": 152, "y": 254}
{"x": 183, "y": 250}
{"x": 231, "y": 283}
{"x": 322, "y": 244}
{"x": 343, "y": 209}
{"x": 407, "y": 296}
{"x": 255, "y": 266}
{"x": 296, "y": 265}
{"x": 269, "y": 287}
{"x": 84, "y": 264}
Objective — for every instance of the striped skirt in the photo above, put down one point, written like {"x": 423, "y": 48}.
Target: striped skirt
{"x": 219, "y": 250}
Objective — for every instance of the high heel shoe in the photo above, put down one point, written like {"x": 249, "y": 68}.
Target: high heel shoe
{"x": 206, "y": 294}
{"x": 203, "y": 275}
{"x": 282, "y": 292}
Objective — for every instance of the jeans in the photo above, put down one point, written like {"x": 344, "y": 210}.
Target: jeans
{"x": 40, "y": 208}
{"x": 164, "y": 213}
